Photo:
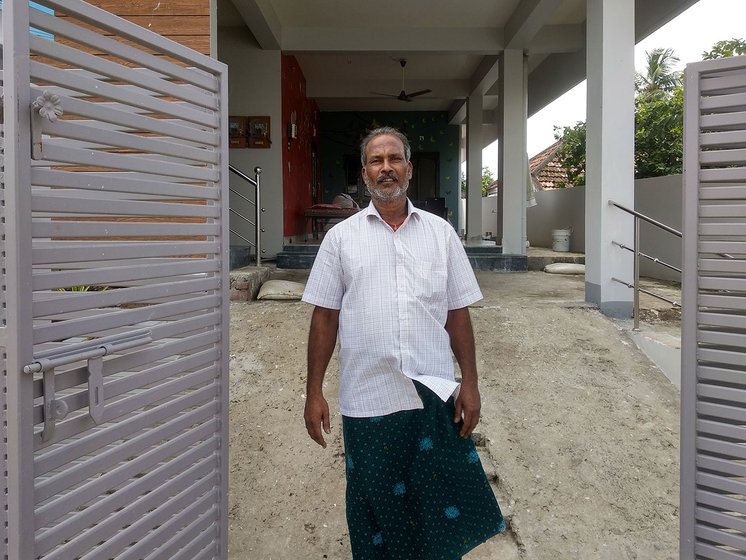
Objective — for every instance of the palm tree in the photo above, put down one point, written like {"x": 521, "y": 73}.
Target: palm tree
{"x": 660, "y": 77}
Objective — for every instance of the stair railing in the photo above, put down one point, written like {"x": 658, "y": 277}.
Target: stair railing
{"x": 256, "y": 203}
{"x": 636, "y": 270}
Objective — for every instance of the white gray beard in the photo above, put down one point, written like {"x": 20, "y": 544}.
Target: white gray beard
{"x": 379, "y": 195}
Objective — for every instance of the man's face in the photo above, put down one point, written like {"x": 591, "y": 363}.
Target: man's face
{"x": 386, "y": 172}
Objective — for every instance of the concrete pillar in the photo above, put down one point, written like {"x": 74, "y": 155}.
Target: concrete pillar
{"x": 513, "y": 161}
{"x": 474, "y": 168}
{"x": 609, "y": 154}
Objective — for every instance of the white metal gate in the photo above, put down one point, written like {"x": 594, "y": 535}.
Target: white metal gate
{"x": 115, "y": 240}
{"x": 713, "y": 373}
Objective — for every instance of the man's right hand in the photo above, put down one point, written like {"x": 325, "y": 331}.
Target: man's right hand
{"x": 317, "y": 417}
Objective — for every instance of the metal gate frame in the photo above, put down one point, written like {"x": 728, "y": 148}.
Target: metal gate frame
{"x": 121, "y": 359}
{"x": 713, "y": 366}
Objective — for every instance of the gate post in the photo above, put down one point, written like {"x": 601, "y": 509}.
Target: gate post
{"x": 225, "y": 236}
{"x": 19, "y": 325}
{"x": 688, "y": 433}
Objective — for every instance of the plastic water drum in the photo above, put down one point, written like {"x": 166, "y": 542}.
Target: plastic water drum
{"x": 561, "y": 240}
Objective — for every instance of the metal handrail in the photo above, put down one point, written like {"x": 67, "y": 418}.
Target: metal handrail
{"x": 644, "y": 291}
{"x": 646, "y": 256}
{"x": 636, "y": 250}
{"x": 648, "y": 219}
{"x": 257, "y": 222}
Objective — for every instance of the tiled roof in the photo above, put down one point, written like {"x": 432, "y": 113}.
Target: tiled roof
{"x": 546, "y": 171}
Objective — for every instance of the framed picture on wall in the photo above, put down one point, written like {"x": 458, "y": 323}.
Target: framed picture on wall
{"x": 258, "y": 132}
{"x": 237, "y": 132}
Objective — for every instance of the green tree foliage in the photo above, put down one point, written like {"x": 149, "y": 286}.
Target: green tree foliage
{"x": 572, "y": 153}
{"x": 725, "y": 49}
{"x": 487, "y": 180}
{"x": 659, "y": 134}
{"x": 659, "y": 113}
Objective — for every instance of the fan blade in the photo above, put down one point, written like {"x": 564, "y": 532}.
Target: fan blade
{"x": 383, "y": 94}
{"x": 421, "y": 92}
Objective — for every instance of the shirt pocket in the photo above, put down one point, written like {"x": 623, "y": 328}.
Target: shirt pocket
{"x": 430, "y": 279}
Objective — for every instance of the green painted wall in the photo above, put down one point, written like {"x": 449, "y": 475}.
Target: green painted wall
{"x": 427, "y": 131}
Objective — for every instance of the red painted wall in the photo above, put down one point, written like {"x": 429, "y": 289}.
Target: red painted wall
{"x": 296, "y": 154}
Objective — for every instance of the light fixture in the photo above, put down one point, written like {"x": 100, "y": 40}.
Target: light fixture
{"x": 292, "y": 129}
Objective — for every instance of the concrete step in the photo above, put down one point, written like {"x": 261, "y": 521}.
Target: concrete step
{"x": 240, "y": 256}
{"x": 296, "y": 259}
{"x": 301, "y": 248}
{"x": 483, "y": 249}
{"x": 301, "y": 256}
{"x": 498, "y": 262}
{"x": 539, "y": 262}
{"x": 490, "y": 257}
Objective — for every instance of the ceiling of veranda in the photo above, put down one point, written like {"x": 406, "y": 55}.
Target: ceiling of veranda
{"x": 349, "y": 51}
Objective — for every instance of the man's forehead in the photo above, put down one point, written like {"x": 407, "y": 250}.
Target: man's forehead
{"x": 382, "y": 141}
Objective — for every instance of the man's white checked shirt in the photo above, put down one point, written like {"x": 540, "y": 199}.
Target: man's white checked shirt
{"x": 393, "y": 290}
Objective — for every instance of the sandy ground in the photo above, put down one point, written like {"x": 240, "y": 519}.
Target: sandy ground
{"x": 580, "y": 432}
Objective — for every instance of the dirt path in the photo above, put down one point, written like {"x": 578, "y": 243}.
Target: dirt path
{"x": 581, "y": 428}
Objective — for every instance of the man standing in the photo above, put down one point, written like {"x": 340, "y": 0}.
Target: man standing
{"x": 394, "y": 284}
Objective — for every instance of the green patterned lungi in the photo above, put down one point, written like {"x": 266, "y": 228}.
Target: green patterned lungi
{"x": 416, "y": 490}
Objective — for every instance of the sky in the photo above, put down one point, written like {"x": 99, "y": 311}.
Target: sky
{"x": 689, "y": 35}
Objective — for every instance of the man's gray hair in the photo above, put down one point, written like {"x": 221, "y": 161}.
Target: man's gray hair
{"x": 378, "y": 132}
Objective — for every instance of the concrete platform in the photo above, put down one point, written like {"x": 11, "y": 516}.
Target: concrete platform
{"x": 539, "y": 257}
{"x": 483, "y": 255}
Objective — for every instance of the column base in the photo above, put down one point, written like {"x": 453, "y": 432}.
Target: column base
{"x": 614, "y": 309}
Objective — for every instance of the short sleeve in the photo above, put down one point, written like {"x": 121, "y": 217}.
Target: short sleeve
{"x": 463, "y": 289}
{"x": 325, "y": 286}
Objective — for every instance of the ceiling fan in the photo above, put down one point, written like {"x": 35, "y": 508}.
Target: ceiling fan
{"x": 403, "y": 95}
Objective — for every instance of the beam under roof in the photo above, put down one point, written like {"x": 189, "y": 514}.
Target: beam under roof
{"x": 485, "y": 75}
{"x": 261, "y": 19}
{"x": 455, "y": 40}
{"x": 560, "y": 72}
{"x": 526, "y": 21}
{"x": 557, "y": 39}
{"x": 441, "y": 89}
{"x": 457, "y": 112}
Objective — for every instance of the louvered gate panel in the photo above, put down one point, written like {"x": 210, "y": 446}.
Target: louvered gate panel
{"x": 713, "y": 434}
{"x": 121, "y": 251}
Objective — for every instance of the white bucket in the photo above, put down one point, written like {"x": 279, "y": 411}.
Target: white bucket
{"x": 561, "y": 240}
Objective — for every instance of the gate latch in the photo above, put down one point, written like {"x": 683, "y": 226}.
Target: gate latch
{"x": 93, "y": 351}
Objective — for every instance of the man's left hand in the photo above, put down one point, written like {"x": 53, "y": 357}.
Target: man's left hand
{"x": 468, "y": 405}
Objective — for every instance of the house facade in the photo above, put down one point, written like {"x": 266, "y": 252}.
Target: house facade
{"x": 321, "y": 75}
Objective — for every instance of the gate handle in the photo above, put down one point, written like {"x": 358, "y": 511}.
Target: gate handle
{"x": 93, "y": 352}
{"x": 96, "y": 389}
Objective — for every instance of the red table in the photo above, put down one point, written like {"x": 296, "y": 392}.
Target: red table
{"x": 318, "y": 212}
